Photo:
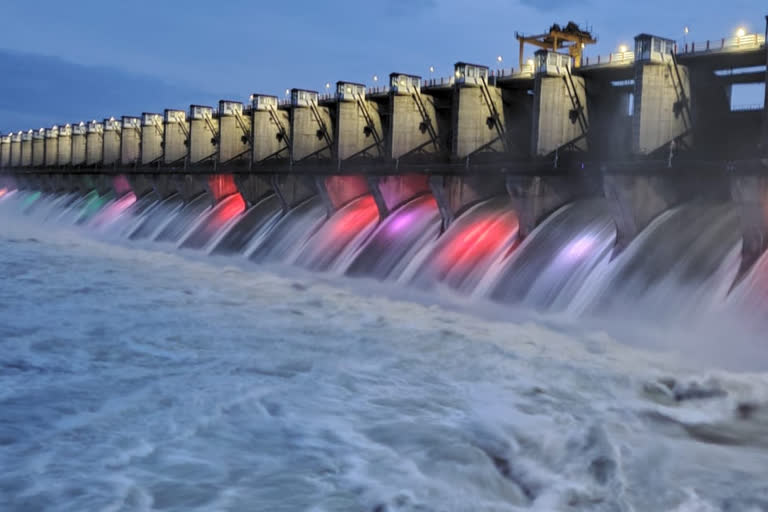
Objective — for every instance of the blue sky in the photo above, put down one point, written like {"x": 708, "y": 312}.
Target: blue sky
{"x": 81, "y": 59}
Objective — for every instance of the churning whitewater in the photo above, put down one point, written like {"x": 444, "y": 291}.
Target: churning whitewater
{"x": 140, "y": 378}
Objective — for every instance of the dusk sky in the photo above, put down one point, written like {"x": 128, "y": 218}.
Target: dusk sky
{"x": 92, "y": 59}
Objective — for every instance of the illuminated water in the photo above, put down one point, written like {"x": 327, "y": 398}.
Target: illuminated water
{"x": 143, "y": 379}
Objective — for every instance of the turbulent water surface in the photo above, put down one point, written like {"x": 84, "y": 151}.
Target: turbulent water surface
{"x": 137, "y": 379}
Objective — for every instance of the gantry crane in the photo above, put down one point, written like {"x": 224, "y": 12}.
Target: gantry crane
{"x": 572, "y": 37}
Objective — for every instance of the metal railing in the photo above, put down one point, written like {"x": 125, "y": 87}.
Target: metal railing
{"x": 748, "y": 107}
{"x": 612, "y": 59}
{"x": 381, "y": 89}
{"x": 736, "y": 43}
{"x": 438, "y": 82}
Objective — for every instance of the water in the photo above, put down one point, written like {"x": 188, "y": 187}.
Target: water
{"x": 143, "y": 379}
{"x": 398, "y": 239}
{"x": 554, "y": 262}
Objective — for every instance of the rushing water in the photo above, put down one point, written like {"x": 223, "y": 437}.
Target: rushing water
{"x": 136, "y": 378}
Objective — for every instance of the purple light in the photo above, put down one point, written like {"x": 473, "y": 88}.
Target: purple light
{"x": 578, "y": 248}
{"x": 400, "y": 222}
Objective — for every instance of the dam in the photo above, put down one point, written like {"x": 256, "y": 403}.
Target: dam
{"x": 560, "y": 185}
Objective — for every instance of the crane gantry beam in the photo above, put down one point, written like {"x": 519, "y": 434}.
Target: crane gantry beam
{"x": 571, "y": 37}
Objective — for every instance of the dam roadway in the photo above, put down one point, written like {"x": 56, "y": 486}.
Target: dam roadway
{"x": 646, "y": 130}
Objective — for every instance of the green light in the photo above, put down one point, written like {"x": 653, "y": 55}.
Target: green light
{"x": 30, "y": 200}
{"x": 93, "y": 204}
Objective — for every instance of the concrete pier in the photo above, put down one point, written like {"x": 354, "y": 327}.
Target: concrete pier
{"x": 203, "y": 135}
{"x": 51, "y": 146}
{"x": 64, "y": 147}
{"x": 360, "y": 133}
{"x": 534, "y": 198}
{"x": 234, "y": 134}
{"x": 311, "y": 128}
{"x": 662, "y": 109}
{"x": 152, "y": 136}
{"x": 111, "y": 141}
{"x": 5, "y": 151}
{"x": 454, "y": 194}
{"x": 478, "y": 117}
{"x": 560, "y": 113}
{"x": 38, "y": 148}
{"x": 26, "y": 148}
{"x": 79, "y": 135}
{"x": 94, "y": 144}
{"x": 415, "y": 127}
{"x": 130, "y": 141}
{"x": 271, "y": 131}
{"x": 15, "y": 149}
{"x": 175, "y": 137}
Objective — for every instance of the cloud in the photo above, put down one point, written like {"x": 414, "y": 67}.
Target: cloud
{"x": 38, "y": 90}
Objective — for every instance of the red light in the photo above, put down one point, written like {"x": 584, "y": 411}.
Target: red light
{"x": 221, "y": 186}
{"x": 477, "y": 241}
{"x": 233, "y": 206}
{"x": 361, "y": 213}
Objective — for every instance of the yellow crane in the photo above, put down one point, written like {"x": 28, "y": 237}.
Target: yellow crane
{"x": 572, "y": 37}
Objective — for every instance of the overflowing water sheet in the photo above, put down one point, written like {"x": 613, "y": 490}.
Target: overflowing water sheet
{"x": 398, "y": 239}
{"x": 549, "y": 268}
{"x": 236, "y": 237}
{"x": 460, "y": 257}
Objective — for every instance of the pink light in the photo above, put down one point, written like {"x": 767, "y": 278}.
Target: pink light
{"x": 404, "y": 219}
{"x": 113, "y": 211}
{"x": 121, "y": 185}
{"x": 3, "y": 191}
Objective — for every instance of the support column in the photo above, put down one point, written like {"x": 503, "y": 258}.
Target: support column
{"x": 271, "y": 129}
{"x": 637, "y": 198}
{"x": 26, "y": 148}
{"x": 359, "y": 132}
{"x": 94, "y": 144}
{"x": 560, "y": 116}
{"x": 130, "y": 141}
{"x": 38, "y": 148}
{"x": 51, "y": 146}
{"x": 175, "y": 137}
{"x": 413, "y": 121}
{"x": 234, "y": 134}
{"x": 534, "y": 198}
{"x": 662, "y": 109}
{"x": 293, "y": 189}
{"x": 478, "y": 120}
{"x": 16, "y": 149}
{"x": 79, "y": 134}
{"x": 5, "y": 151}
{"x": 311, "y": 127}
{"x": 390, "y": 192}
{"x": 152, "y": 131}
{"x": 751, "y": 194}
{"x": 64, "y": 147}
{"x": 454, "y": 194}
{"x": 203, "y": 134}
{"x": 112, "y": 141}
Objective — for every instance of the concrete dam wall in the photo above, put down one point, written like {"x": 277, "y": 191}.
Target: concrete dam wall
{"x": 641, "y": 133}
